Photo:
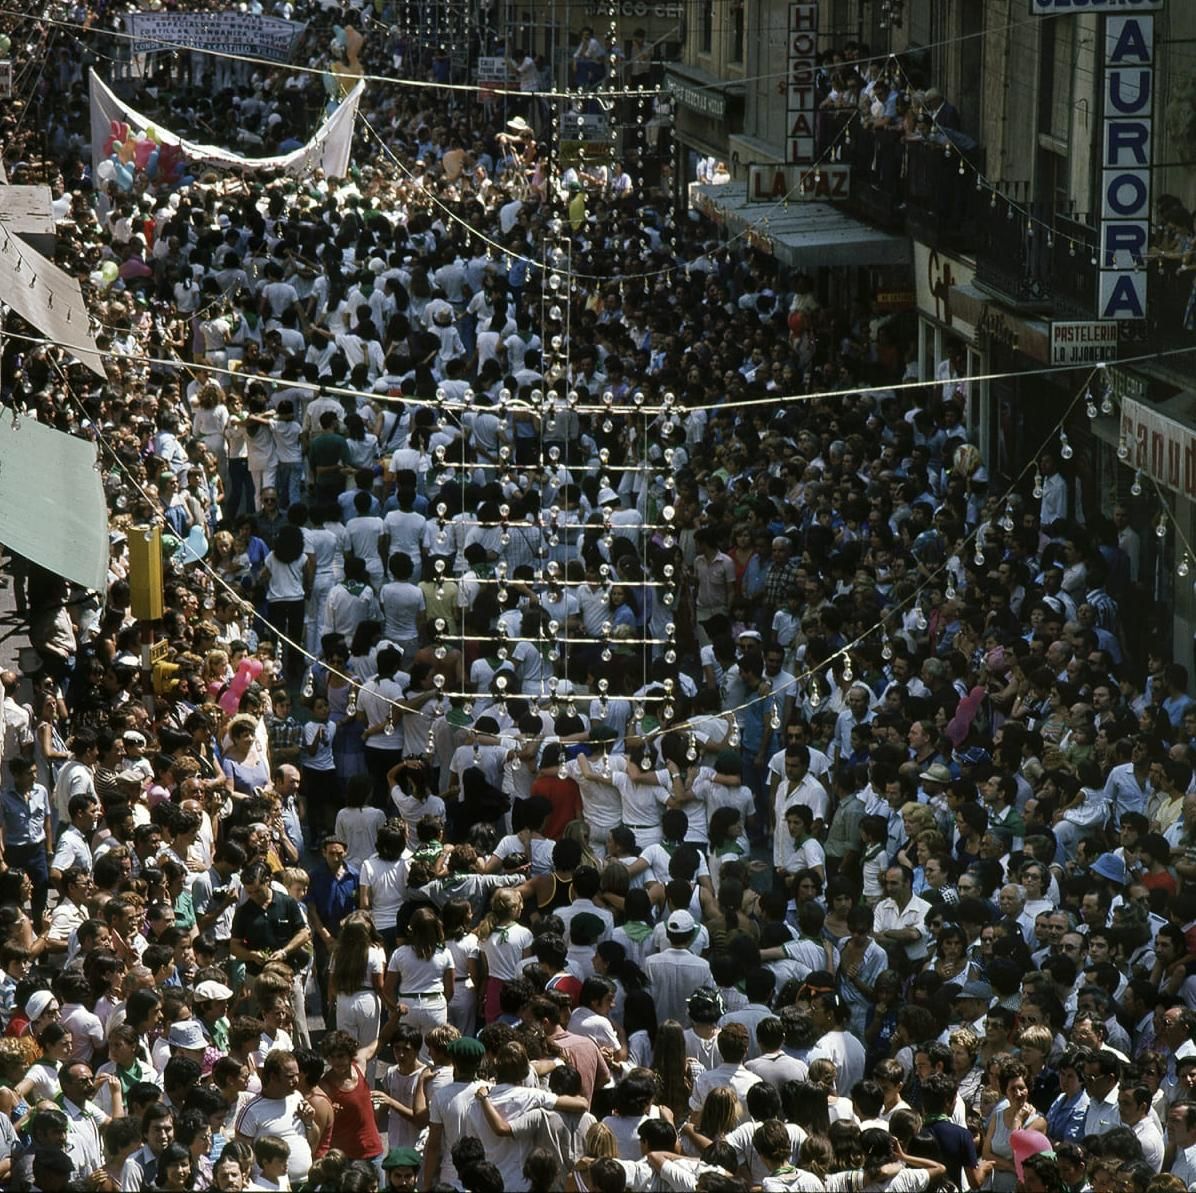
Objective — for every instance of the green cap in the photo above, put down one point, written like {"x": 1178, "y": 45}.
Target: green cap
{"x": 402, "y": 1157}
{"x": 728, "y": 762}
{"x": 466, "y": 1048}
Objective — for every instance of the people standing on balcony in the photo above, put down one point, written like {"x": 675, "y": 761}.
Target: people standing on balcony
{"x": 589, "y": 60}
{"x": 943, "y": 115}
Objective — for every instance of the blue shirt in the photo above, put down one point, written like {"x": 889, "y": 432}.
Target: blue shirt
{"x": 25, "y": 815}
{"x": 332, "y": 898}
{"x": 1066, "y": 1116}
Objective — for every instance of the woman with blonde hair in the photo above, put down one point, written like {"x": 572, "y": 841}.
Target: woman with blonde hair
{"x": 579, "y": 831}
{"x": 421, "y": 976}
{"x": 505, "y": 942}
{"x": 355, "y": 973}
{"x": 215, "y": 672}
{"x": 719, "y": 1116}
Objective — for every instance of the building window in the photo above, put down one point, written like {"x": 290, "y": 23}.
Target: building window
{"x": 737, "y": 18}
{"x": 707, "y": 26}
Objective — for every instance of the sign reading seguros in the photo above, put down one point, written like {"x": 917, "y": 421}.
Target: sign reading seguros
{"x": 1052, "y": 8}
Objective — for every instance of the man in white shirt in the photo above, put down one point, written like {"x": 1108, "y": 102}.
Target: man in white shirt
{"x": 1133, "y": 1104}
{"x": 1101, "y": 1075}
{"x": 85, "y": 1119}
{"x": 1181, "y": 1126}
{"x": 675, "y": 973}
{"x": 511, "y": 1098}
{"x": 899, "y": 921}
{"x": 280, "y": 1109}
{"x": 733, "y": 1044}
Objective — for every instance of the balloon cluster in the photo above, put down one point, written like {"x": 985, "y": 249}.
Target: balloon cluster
{"x": 247, "y": 672}
{"x": 128, "y": 153}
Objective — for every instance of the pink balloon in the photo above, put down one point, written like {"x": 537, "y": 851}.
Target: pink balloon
{"x": 1025, "y": 1144}
{"x": 254, "y": 666}
{"x": 230, "y": 701}
{"x": 142, "y": 152}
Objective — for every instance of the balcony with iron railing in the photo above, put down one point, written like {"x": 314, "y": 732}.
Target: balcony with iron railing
{"x": 899, "y": 182}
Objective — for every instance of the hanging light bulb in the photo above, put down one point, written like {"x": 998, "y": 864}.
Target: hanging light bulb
{"x": 1184, "y": 566}
{"x": 1106, "y": 401}
{"x": 1037, "y": 483}
{"x": 1007, "y": 519}
{"x": 1123, "y": 448}
{"x": 691, "y": 753}
{"x": 815, "y": 694}
{"x": 920, "y": 621}
{"x": 1160, "y": 529}
{"x": 774, "y": 717}
{"x": 1136, "y": 485}
{"x": 562, "y": 771}
{"x": 351, "y": 703}
{"x": 389, "y": 727}
{"x": 950, "y": 593}
{"x": 646, "y": 760}
{"x": 1064, "y": 446}
{"x": 978, "y": 558}
{"x": 1090, "y": 406}
{"x": 733, "y": 735}
{"x": 886, "y": 651}
{"x": 309, "y": 686}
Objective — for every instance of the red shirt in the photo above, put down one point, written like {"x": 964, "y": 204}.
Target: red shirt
{"x": 354, "y": 1130}
{"x": 565, "y": 797}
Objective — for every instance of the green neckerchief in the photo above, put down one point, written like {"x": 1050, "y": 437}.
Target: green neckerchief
{"x": 731, "y": 847}
{"x": 638, "y": 930}
{"x": 503, "y": 934}
{"x": 873, "y": 851}
{"x": 784, "y": 1170}
{"x": 356, "y": 587}
{"x": 129, "y": 1077}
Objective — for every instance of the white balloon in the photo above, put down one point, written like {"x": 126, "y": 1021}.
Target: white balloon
{"x": 106, "y": 171}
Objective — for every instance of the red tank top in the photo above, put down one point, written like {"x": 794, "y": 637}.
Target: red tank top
{"x": 354, "y": 1131}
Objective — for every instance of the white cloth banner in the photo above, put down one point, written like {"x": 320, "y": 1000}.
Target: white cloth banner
{"x": 222, "y": 32}
{"x": 328, "y": 150}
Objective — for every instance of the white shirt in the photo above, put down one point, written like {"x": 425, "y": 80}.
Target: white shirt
{"x": 419, "y": 975}
{"x": 675, "y": 974}
{"x": 736, "y": 1076}
{"x": 887, "y": 915}
{"x": 847, "y": 1053}
{"x": 279, "y": 1116}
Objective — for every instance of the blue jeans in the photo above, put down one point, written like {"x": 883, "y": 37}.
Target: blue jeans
{"x": 34, "y": 861}
{"x": 288, "y": 480}
{"x": 240, "y": 489}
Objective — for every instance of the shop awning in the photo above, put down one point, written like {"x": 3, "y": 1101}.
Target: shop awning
{"x": 804, "y": 234}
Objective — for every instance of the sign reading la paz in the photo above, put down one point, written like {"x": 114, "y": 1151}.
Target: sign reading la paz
{"x": 766, "y": 184}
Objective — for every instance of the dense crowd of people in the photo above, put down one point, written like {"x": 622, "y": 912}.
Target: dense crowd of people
{"x": 585, "y": 755}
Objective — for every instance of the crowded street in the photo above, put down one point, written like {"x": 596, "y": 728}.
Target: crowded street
{"x": 543, "y": 652}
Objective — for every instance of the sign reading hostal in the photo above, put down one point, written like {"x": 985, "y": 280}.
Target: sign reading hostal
{"x": 800, "y": 99}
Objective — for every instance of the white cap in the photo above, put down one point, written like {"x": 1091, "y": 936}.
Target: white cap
{"x": 680, "y": 923}
{"x": 606, "y": 495}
